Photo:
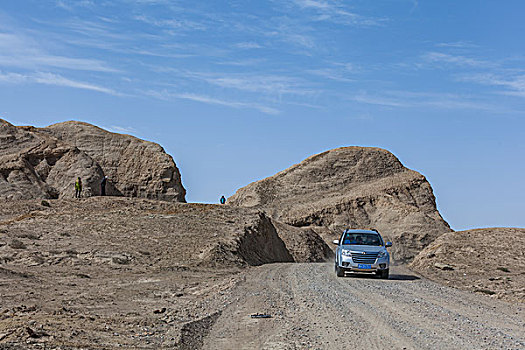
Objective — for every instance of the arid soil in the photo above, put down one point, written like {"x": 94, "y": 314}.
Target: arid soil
{"x": 488, "y": 261}
{"x": 311, "y": 308}
{"x": 104, "y": 271}
{"x": 126, "y": 272}
{"x": 113, "y": 272}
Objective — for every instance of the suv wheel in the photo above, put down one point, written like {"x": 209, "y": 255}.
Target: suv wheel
{"x": 340, "y": 272}
{"x": 383, "y": 274}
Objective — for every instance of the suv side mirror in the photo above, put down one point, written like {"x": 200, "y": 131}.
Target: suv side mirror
{"x": 388, "y": 244}
{"x": 336, "y": 242}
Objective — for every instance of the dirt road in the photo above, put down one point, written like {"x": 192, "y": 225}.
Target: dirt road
{"x": 313, "y": 309}
{"x": 107, "y": 273}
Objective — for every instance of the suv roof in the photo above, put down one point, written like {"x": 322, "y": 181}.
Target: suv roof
{"x": 360, "y": 230}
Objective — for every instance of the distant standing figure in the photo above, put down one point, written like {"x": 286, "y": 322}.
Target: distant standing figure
{"x": 78, "y": 188}
{"x": 223, "y": 200}
{"x": 103, "y": 186}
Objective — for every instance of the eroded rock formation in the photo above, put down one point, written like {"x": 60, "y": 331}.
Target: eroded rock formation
{"x": 488, "y": 261}
{"x": 357, "y": 187}
{"x": 44, "y": 163}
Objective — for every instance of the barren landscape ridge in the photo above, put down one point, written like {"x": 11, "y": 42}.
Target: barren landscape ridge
{"x": 140, "y": 268}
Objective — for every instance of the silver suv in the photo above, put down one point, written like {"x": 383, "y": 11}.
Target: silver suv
{"x": 362, "y": 251}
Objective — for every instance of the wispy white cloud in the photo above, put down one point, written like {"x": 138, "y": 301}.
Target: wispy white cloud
{"x": 439, "y": 57}
{"x": 320, "y": 5}
{"x": 120, "y": 129}
{"x": 101, "y": 33}
{"x": 153, "y": 53}
{"x": 457, "y": 45}
{"x": 298, "y": 39}
{"x": 97, "y": 28}
{"x": 267, "y": 84}
{"x": 13, "y": 78}
{"x": 165, "y": 95}
{"x": 71, "y": 5}
{"x": 58, "y": 80}
{"x": 305, "y": 104}
{"x": 409, "y": 99}
{"x": 179, "y": 24}
{"x": 21, "y": 52}
{"x": 331, "y": 74}
{"x": 290, "y": 35}
{"x": 149, "y": 2}
{"x": 335, "y": 11}
{"x": 248, "y": 45}
{"x": 53, "y": 79}
{"x": 43, "y": 60}
{"x": 515, "y": 85}
{"x": 242, "y": 62}
{"x": 381, "y": 100}
{"x": 336, "y": 71}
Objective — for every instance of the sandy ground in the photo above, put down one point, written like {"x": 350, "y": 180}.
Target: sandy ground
{"x": 310, "y": 307}
{"x": 104, "y": 273}
{"x": 110, "y": 273}
{"x": 313, "y": 309}
{"x": 488, "y": 261}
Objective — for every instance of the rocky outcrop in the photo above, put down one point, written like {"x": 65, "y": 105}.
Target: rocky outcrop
{"x": 303, "y": 243}
{"x": 488, "y": 261}
{"x": 356, "y": 187}
{"x": 136, "y": 259}
{"x": 255, "y": 243}
{"x": 44, "y": 163}
{"x": 136, "y": 168}
{"x": 35, "y": 165}
{"x": 118, "y": 230}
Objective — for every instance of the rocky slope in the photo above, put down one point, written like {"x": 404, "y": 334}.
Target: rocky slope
{"x": 35, "y": 165}
{"x": 489, "y": 261}
{"x": 104, "y": 271}
{"x": 352, "y": 187}
{"x": 303, "y": 243}
{"x": 136, "y": 168}
{"x": 44, "y": 163}
{"x": 187, "y": 234}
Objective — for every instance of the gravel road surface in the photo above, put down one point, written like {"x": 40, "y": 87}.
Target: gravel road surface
{"x": 313, "y": 309}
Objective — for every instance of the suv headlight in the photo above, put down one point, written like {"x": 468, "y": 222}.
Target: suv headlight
{"x": 381, "y": 254}
{"x": 346, "y": 252}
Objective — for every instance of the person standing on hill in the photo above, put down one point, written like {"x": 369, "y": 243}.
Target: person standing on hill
{"x": 103, "y": 186}
{"x": 78, "y": 188}
{"x": 222, "y": 200}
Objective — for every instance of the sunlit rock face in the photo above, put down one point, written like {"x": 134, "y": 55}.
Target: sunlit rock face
{"x": 45, "y": 162}
{"x": 352, "y": 187}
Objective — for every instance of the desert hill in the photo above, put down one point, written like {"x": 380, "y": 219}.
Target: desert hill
{"x": 352, "y": 187}
{"x": 73, "y": 266}
{"x": 34, "y": 165}
{"x": 44, "y": 163}
{"x": 119, "y": 271}
{"x": 490, "y": 261}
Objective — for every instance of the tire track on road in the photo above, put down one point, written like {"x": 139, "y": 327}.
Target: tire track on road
{"x": 314, "y": 309}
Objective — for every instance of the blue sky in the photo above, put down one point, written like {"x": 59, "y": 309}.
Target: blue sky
{"x": 238, "y": 90}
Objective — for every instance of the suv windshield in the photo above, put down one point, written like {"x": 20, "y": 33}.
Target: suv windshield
{"x": 362, "y": 239}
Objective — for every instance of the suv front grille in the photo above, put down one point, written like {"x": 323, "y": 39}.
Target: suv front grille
{"x": 367, "y": 258}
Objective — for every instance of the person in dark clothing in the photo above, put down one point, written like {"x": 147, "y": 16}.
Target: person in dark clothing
{"x": 78, "y": 188}
{"x": 103, "y": 186}
{"x": 222, "y": 200}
